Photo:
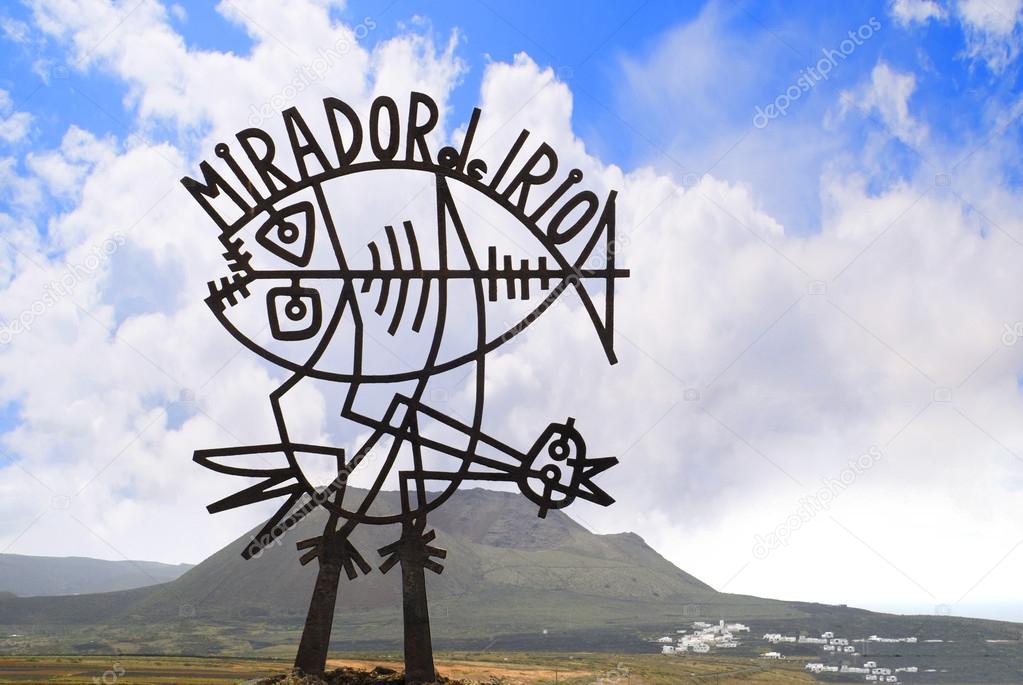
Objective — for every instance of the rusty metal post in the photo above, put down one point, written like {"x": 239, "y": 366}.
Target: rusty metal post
{"x": 419, "y": 667}
{"x": 312, "y": 650}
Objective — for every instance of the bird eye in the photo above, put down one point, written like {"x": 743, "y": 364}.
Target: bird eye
{"x": 295, "y": 312}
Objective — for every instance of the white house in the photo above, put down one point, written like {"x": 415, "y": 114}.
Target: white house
{"x": 772, "y": 655}
{"x": 778, "y": 637}
{"x": 891, "y": 679}
{"x": 828, "y": 635}
{"x": 668, "y": 649}
{"x": 870, "y": 664}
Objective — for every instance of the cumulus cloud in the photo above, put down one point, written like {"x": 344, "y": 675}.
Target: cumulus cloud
{"x": 992, "y": 30}
{"x": 135, "y": 380}
{"x": 909, "y": 12}
{"x": 887, "y": 96}
{"x": 755, "y": 364}
{"x": 14, "y": 126}
{"x": 17, "y": 31}
{"x": 62, "y": 170}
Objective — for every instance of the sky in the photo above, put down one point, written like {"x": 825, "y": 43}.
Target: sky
{"x": 818, "y": 394}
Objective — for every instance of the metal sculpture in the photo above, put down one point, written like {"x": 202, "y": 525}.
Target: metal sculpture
{"x": 322, "y": 298}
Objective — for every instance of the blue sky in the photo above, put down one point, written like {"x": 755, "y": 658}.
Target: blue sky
{"x": 807, "y": 285}
{"x": 763, "y": 49}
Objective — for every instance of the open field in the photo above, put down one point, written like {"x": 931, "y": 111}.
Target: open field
{"x": 129, "y": 670}
{"x": 513, "y": 668}
{"x": 490, "y": 668}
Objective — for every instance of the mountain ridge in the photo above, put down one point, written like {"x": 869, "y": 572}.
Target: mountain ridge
{"x": 509, "y": 578}
{"x": 32, "y": 576}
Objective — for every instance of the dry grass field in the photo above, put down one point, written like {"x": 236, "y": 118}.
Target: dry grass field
{"x": 513, "y": 668}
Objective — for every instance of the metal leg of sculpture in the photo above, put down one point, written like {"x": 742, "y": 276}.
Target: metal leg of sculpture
{"x": 419, "y": 667}
{"x": 312, "y": 650}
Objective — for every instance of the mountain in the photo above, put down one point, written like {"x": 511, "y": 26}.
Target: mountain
{"x": 28, "y": 576}
{"x": 510, "y": 579}
{"x": 497, "y": 548}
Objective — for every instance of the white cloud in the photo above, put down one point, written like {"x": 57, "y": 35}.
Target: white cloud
{"x": 63, "y": 170}
{"x": 992, "y": 30}
{"x": 178, "y": 12}
{"x": 112, "y": 395}
{"x": 909, "y": 12}
{"x": 15, "y": 30}
{"x": 803, "y": 351}
{"x": 14, "y": 126}
{"x": 698, "y": 118}
{"x": 887, "y": 95}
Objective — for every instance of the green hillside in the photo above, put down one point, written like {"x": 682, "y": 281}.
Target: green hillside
{"x": 30, "y": 576}
{"x": 508, "y": 572}
{"x": 511, "y": 581}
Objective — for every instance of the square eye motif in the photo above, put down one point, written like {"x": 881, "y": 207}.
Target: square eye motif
{"x": 294, "y": 311}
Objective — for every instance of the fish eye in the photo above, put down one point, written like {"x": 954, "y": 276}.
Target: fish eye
{"x": 287, "y": 233}
{"x": 295, "y": 312}
{"x": 295, "y": 309}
